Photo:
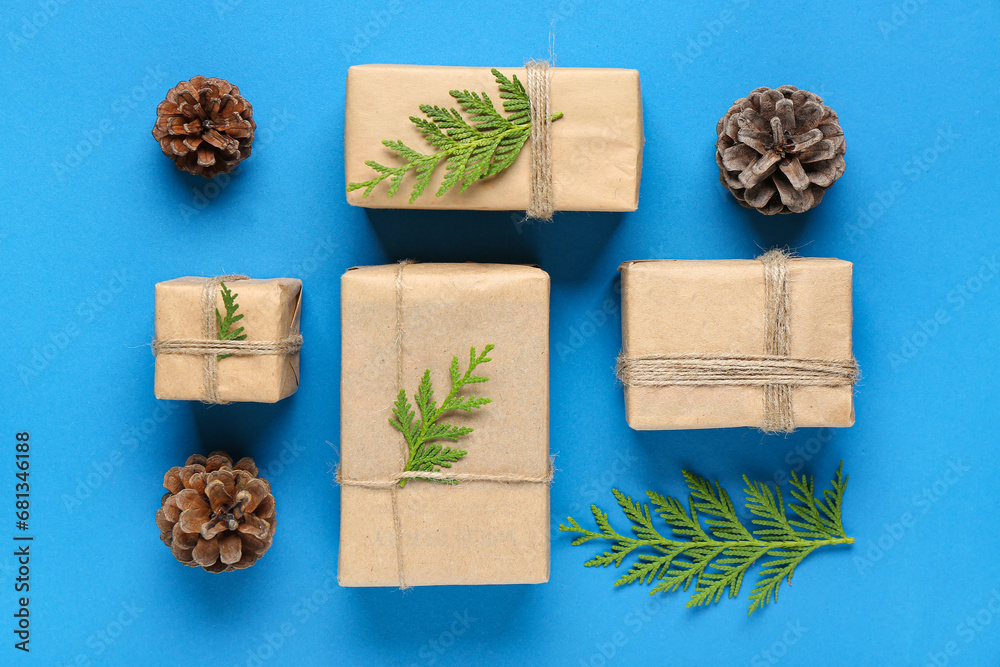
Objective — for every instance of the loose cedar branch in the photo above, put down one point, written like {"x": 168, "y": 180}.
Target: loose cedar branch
{"x": 716, "y": 560}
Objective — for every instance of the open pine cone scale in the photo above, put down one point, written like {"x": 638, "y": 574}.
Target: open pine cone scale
{"x": 216, "y": 515}
{"x": 779, "y": 149}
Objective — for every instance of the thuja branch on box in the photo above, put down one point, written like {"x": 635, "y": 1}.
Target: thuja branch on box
{"x": 426, "y": 455}
{"x": 717, "y": 559}
{"x": 225, "y": 324}
{"x": 472, "y": 150}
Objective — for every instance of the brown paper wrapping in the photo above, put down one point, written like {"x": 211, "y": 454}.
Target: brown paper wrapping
{"x": 474, "y": 532}
{"x": 270, "y": 312}
{"x": 596, "y": 146}
{"x": 717, "y": 307}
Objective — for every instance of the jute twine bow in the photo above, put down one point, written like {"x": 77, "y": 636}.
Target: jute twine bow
{"x": 209, "y": 347}
{"x": 540, "y": 205}
{"x": 775, "y": 370}
{"x": 391, "y": 482}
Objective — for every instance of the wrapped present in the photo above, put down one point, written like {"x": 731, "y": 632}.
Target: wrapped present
{"x": 712, "y": 344}
{"x": 451, "y": 138}
{"x": 228, "y": 338}
{"x": 431, "y": 493}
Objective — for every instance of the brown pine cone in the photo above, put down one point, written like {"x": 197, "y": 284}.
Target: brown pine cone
{"x": 205, "y": 126}
{"x": 216, "y": 515}
{"x": 779, "y": 150}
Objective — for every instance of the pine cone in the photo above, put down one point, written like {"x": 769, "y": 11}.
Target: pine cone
{"x": 779, "y": 150}
{"x": 205, "y": 126}
{"x": 216, "y": 515}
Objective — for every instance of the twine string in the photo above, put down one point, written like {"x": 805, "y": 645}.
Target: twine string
{"x": 236, "y": 348}
{"x": 392, "y": 481}
{"x": 404, "y": 453}
{"x": 540, "y": 204}
{"x": 720, "y": 370}
{"x": 777, "y": 337}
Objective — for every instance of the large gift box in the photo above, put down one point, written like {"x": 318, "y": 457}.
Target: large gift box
{"x": 260, "y": 364}
{"x": 595, "y": 157}
{"x": 719, "y": 343}
{"x": 492, "y": 525}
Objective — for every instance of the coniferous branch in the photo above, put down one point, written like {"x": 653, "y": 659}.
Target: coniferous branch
{"x": 472, "y": 150}
{"x": 717, "y": 560}
{"x": 425, "y": 454}
{"x": 225, "y": 324}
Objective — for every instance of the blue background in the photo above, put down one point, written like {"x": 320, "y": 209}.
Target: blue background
{"x": 93, "y": 215}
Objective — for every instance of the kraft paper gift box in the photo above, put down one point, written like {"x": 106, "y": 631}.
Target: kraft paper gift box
{"x": 270, "y": 310}
{"x": 596, "y": 145}
{"x": 713, "y": 308}
{"x": 413, "y": 317}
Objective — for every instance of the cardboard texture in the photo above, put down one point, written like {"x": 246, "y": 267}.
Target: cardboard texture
{"x": 270, "y": 312}
{"x": 717, "y": 307}
{"x": 474, "y": 532}
{"x": 596, "y": 145}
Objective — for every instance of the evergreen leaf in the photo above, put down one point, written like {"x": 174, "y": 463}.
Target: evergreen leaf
{"x": 474, "y": 149}
{"x": 225, "y": 324}
{"x": 716, "y": 560}
{"x": 425, "y": 453}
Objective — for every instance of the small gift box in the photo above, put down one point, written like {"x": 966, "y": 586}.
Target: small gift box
{"x": 434, "y": 494}
{"x": 228, "y": 338}
{"x": 712, "y": 344}
{"x": 452, "y": 137}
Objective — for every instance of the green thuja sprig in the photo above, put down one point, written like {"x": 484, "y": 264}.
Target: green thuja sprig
{"x": 226, "y": 331}
{"x": 719, "y": 558}
{"x": 471, "y": 152}
{"x": 425, "y": 454}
